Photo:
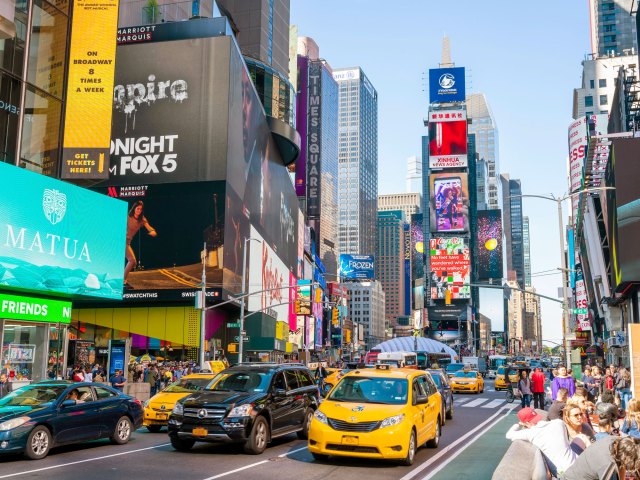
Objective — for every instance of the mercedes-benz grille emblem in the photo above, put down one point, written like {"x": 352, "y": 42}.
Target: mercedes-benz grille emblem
{"x": 202, "y": 413}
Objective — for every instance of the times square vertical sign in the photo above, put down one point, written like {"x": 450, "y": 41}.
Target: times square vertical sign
{"x": 313, "y": 140}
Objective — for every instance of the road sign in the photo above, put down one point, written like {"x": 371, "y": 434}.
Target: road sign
{"x": 233, "y": 325}
{"x": 243, "y": 332}
{"x": 244, "y": 339}
{"x": 580, "y": 311}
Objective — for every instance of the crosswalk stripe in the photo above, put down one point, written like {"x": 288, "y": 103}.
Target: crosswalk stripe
{"x": 476, "y": 402}
{"x": 494, "y": 403}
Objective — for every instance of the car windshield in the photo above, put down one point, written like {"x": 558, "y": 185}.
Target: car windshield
{"x": 391, "y": 391}
{"x": 465, "y": 375}
{"x": 186, "y": 385}
{"x": 241, "y": 382}
{"x": 437, "y": 380}
{"x": 501, "y": 371}
{"x": 454, "y": 367}
{"x": 32, "y": 395}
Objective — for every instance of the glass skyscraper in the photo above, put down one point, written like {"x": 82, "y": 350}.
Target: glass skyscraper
{"x": 513, "y": 227}
{"x": 357, "y": 162}
{"x": 613, "y": 27}
{"x": 526, "y": 251}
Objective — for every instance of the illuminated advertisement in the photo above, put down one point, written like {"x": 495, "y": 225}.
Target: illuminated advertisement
{"x": 446, "y": 85}
{"x": 580, "y": 294}
{"x": 408, "y": 247}
{"x": 450, "y": 266}
{"x": 302, "y": 99}
{"x": 356, "y": 267}
{"x": 489, "y": 244}
{"x": 87, "y": 124}
{"x": 60, "y": 238}
{"x": 447, "y": 139}
{"x": 417, "y": 240}
{"x": 449, "y": 202}
{"x": 448, "y": 323}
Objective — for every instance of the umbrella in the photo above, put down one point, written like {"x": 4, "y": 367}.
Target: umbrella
{"x": 146, "y": 358}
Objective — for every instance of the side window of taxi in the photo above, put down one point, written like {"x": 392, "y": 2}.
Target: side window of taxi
{"x": 429, "y": 385}
{"x": 418, "y": 389}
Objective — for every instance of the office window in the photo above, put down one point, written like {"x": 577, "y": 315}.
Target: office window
{"x": 603, "y": 100}
{"x": 602, "y": 83}
{"x": 592, "y": 84}
{"x": 588, "y": 101}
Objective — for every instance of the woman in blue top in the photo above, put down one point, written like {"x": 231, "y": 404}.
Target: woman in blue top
{"x": 631, "y": 425}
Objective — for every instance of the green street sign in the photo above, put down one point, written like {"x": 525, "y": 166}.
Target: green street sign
{"x": 34, "y": 309}
{"x": 580, "y": 311}
{"x": 233, "y": 325}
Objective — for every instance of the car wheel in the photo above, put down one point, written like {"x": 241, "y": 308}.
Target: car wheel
{"x": 304, "y": 433}
{"x": 319, "y": 457}
{"x": 443, "y": 415}
{"x": 154, "y": 428}
{"x": 450, "y": 411}
{"x": 411, "y": 452}
{"x": 122, "y": 433}
{"x": 435, "y": 441}
{"x": 38, "y": 443}
{"x": 182, "y": 445}
{"x": 257, "y": 442}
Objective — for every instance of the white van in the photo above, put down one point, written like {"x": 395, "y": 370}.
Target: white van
{"x": 398, "y": 359}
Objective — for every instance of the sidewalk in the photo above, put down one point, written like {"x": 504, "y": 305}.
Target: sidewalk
{"x": 481, "y": 458}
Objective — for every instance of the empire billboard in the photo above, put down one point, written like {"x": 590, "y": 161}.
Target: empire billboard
{"x": 449, "y": 202}
{"x": 447, "y": 139}
{"x": 489, "y": 244}
{"x": 450, "y": 265}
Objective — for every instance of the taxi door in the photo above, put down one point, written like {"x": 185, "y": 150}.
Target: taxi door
{"x": 434, "y": 406}
{"x": 420, "y": 411}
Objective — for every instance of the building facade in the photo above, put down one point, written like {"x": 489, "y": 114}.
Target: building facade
{"x": 533, "y": 330}
{"x": 526, "y": 249}
{"x": 613, "y": 26}
{"x": 482, "y": 123}
{"x": 414, "y": 175}
{"x": 482, "y": 184}
{"x": 366, "y": 307}
{"x": 513, "y": 229}
{"x": 357, "y": 162}
{"x": 408, "y": 203}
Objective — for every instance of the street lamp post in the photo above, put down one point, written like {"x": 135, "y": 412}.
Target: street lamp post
{"x": 563, "y": 258}
{"x": 244, "y": 298}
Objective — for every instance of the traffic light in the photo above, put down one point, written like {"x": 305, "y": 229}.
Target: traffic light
{"x": 347, "y": 336}
{"x": 335, "y": 320}
{"x": 447, "y": 297}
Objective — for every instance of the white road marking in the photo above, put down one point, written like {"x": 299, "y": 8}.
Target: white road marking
{"x": 253, "y": 464}
{"x": 476, "y": 402}
{"x": 82, "y": 461}
{"x": 462, "y": 400}
{"x": 494, "y": 403}
{"x": 492, "y": 420}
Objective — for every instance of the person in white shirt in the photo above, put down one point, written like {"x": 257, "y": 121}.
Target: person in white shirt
{"x": 551, "y": 437}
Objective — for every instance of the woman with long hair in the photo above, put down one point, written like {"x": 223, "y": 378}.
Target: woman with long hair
{"x": 631, "y": 425}
{"x": 135, "y": 221}
{"x": 572, "y": 416}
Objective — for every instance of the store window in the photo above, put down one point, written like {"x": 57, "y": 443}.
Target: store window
{"x": 40, "y": 132}
{"x": 47, "y": 48}
{"x": 9, "y": 115}
{"x": 12, "y": 49}
{"x": 23, "y": 351}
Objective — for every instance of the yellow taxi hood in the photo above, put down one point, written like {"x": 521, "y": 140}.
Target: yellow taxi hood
{"x": 360, "y": 412}
{"x": 167, "y": 398}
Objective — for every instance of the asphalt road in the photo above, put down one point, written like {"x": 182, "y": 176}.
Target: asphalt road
{"x": 150, "y": 455}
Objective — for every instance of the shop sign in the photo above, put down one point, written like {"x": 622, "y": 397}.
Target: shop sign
{"x": 34, "y": 309}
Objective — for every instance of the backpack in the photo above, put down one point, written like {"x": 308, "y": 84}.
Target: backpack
{"x": 77, "y": 377}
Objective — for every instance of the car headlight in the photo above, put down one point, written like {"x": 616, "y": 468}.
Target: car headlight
{"x": 241, "y": 411}
{"x": 321, "y": 417}
{"x": 178, "y": 409}
{"x": 13, "y": 423}
{"x": 392, "y": 421}
{"x": 145, "y": 404}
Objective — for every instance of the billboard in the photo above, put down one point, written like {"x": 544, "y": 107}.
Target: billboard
{"x": 489, "y": 244}
{"x": 408, "y": 248}
{"x": 314, "y": 140}
{"x": 60, "y": 238}
{"x": 417, "y": 243}
{"x": 580, "y": 294}
{"x": 302, "y": 100}
{"x": 447, "y": 139}
{"x": 356, "y": 267}
{"x": 450, "y": 268}
{"x": 449, "y": 202}
{"x": 184, "y": 217}
{"x": 87, "y": 123}
{"x": 448, "y": 323}
{"x": 446, "y": 85}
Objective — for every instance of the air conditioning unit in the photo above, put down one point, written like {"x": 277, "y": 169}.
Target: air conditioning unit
{"x": 617, "y": 339}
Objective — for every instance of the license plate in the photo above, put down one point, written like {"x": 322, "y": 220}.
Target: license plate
{"x": 349, "y": 440}
{"x": 161, "y": 416}
{"x": 200, "y": 432}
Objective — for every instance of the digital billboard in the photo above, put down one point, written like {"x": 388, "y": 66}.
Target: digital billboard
{"x": 356, "y": 267}
{"x": 302, "y": 99}
{"x": 448, "y": 323}
{"x": 167, "y": 265}
{"x": 418, "y": 247}
{"x": 449, "y": 202}
{"x": 447, "y": 139}
{"x": 87, "y": 123}
{"x": 446, "y": 85}
{"x": 408, "y": 247}
{"x": 489, "y": 244}
{"x": 56, "y": 237}
{"x": 450, "y": 266}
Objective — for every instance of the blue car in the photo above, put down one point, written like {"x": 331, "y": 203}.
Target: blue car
{"x": 442, "y": 382}
{"x": 37, "y": 417}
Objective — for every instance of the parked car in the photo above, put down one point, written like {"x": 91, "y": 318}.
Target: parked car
{"x": 248, "y": 403}
{"x": 42, "y": 415}
{"x": 442, "y": 382}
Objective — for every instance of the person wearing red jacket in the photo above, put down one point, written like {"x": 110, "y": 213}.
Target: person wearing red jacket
{"x": 537, "y": 386}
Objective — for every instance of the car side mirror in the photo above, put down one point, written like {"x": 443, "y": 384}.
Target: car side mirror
{"x": 422, "y": 399}
{"x": 68, "y": 403}
{"x": 280, "y": 392}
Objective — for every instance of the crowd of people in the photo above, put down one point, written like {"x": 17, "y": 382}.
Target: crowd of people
{"x": 591, "y": 429}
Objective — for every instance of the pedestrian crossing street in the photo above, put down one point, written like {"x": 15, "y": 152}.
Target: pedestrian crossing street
{"x": 479, "y": 402}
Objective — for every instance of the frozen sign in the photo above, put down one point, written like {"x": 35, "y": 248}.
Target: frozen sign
{"x": 447, "y": 139}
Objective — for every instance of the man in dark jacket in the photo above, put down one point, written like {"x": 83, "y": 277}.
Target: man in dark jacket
{"x": 5, "y": 385}
{"x": 555, "y": 410}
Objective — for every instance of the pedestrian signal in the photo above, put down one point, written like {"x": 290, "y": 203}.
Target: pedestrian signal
{"x": 335, "y": 321}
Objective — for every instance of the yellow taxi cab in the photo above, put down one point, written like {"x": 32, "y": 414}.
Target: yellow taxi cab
{"x": 467, "y": 381}
{"x": 381, "y": 413}
{"x": 501, "y": 381}
{"x": 158, "y": 408}
{"x": 334, "y": 376}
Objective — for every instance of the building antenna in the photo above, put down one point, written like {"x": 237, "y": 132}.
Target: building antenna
{"x": 446, "y": 53}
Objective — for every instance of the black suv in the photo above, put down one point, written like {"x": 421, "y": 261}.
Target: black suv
{"x": 248, "y": 403}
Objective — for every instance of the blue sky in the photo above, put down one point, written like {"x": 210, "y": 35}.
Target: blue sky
{"x": 524, "y": 56}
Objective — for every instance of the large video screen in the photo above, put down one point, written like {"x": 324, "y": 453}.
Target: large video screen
{"x": 489, "y": 244}
{"x": 447, "y": 139}
{"x": 449, "y": 202}
{"x": 356, "y": 267}
{"x": 450, "y": 268}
